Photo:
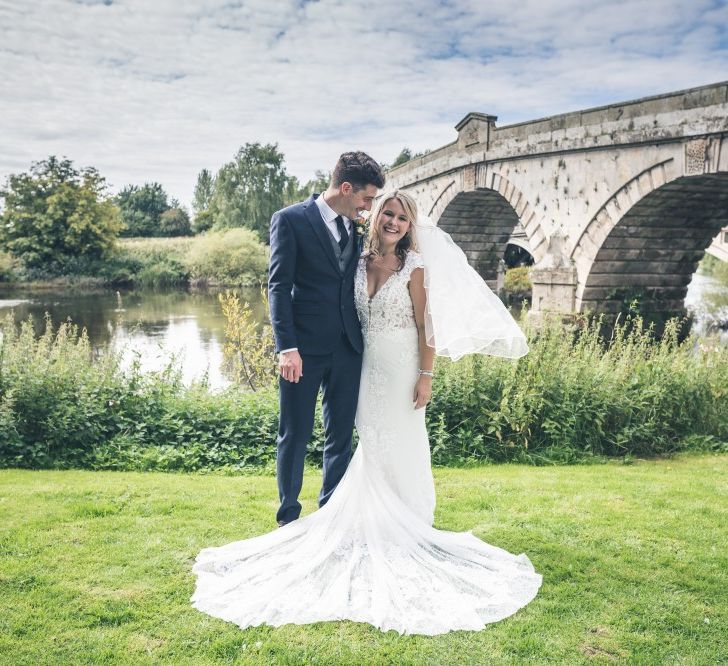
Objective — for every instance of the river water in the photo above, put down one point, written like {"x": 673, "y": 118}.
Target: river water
{"x": 154, "y": 326}
{"x": 148, "y": 326}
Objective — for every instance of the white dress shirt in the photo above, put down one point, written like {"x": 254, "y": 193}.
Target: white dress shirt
{"x": 329, "y": 216}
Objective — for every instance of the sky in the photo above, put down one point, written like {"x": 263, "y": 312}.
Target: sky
{"x": 156, "y": 90}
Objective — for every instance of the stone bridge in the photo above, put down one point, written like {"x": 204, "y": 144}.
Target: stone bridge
{"x": 613, "y": 203}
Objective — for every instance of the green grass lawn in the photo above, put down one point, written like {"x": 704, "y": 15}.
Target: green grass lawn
{"x": 95, "y": 567}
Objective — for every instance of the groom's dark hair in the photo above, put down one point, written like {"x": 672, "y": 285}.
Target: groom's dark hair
{"x": 358, "y": 169}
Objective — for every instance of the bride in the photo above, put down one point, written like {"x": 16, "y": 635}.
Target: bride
{"x": 371, "y": 554}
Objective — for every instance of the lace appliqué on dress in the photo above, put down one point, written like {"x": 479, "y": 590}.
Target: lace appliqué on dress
{"x": 391, "y": 307}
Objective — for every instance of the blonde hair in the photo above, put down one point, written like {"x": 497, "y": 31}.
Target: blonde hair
{"x": 408, "y": 241}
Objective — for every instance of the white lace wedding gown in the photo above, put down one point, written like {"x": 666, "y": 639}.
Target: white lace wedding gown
{"x": 371, "y": 553}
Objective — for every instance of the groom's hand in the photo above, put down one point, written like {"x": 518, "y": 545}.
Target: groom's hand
{"x": 290, "y": 365}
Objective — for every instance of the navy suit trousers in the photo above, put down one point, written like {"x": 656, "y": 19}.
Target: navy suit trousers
{"x": 337, "y": 375}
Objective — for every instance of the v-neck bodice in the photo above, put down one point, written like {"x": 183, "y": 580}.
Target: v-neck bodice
{"x": 391, "y": 306}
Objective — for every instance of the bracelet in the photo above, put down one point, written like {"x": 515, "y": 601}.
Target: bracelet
{"x": 426, "y": 373}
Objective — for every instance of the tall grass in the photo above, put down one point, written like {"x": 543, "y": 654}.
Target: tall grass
{"x": 576, "y": 394}
{"x": 573, "y": 397}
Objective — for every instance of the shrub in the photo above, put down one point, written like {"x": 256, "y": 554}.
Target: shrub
{"x": 249, "y": 349}
{"x": 62, "y": 407}
{"x": 235, "y": 256}
{"x": 148, "y": 262}
{"x": 517, "y": 285}
{"x": 575, "y": 396}
{"x": 203, "y": 221}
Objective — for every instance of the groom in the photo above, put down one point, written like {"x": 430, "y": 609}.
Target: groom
{"x": 314, "y": 247}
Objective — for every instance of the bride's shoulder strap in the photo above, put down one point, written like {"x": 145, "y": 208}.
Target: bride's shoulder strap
{"x": 414, "y": 260}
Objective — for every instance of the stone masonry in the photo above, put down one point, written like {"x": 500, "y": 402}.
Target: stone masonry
{"x": 624, "y": 198}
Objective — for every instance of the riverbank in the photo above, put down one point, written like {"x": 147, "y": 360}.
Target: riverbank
{"x": 215, "y": 259}
{"x": 96, "y": 567}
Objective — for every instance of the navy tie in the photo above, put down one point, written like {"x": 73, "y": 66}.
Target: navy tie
{"x": 343, "y": 236}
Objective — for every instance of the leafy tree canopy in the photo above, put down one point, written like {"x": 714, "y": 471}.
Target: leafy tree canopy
{"x": 250, "y": 189}
{"x": 57, "y": 214}
{"x": 142, "y": 208}
{"x": 175, "y": 222}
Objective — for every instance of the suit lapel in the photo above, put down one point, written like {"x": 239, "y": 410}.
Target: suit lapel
{"x": 319, "y": 226}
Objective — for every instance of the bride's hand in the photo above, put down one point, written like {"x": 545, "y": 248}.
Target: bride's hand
{"x": 423, "y": 391}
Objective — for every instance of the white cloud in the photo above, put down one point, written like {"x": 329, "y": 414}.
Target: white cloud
{"x": 157, "y": 91}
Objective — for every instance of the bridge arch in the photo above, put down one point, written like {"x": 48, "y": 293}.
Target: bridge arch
{"x": 480, "y": 211}
{"x": 645, "y": 243}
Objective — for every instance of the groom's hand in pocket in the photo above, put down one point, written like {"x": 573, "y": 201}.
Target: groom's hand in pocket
{"x": 290, "y": 365}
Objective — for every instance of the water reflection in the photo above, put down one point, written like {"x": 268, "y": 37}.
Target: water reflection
{"x": 150, "y": 327}
{"x": 707, "y": 300}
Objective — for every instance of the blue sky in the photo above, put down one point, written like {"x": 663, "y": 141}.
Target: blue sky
{"x": 159, "y": 90}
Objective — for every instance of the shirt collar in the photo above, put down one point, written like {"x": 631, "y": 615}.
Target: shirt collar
{"x": 327, "y": 212}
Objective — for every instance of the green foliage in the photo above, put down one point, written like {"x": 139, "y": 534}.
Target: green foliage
{"x": 62, "y": 407}
{"x": 710, "y": 265}
{"x": 517, "y": 285}
{"x": 8, "y": 267}
{"x": 203, "y": 221}
{"x": 235, "y": 256}
{"x": 576, "y": 395}
{"x": 175, "y": 222}
{"x": 299, "y": 192}
{"x": 405, "y": 155}
{"x": 572, "y": 398}
{"x": 204, "y": 189}
{"x": 250, "y": 189}
{"x": 148, "y": 262}
{"x": 53, "y": 398}
{"x": 142, "y": 209}
{"x": 715, "y": 299}
{"x": 57, "y": 215}
{"x": 249, "y": 349}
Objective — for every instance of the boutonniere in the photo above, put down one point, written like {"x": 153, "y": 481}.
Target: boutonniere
{"x": 362, "y": 224}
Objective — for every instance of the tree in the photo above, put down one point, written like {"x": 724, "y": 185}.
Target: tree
{"x": 56, "y": 214}
{"x": 202, "y": 222}
{"x": 405, "y": 155}
{"x": 318, "y": 184}
{"x": 202, "y": 198}
{"x": 141, "y": 209}
{"x": 204, "y": 190}
{"x": 175, "y": 222}
{"x": 250, "y": 189}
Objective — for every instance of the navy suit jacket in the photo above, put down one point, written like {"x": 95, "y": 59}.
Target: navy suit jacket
{"x": 311, "y": 300}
